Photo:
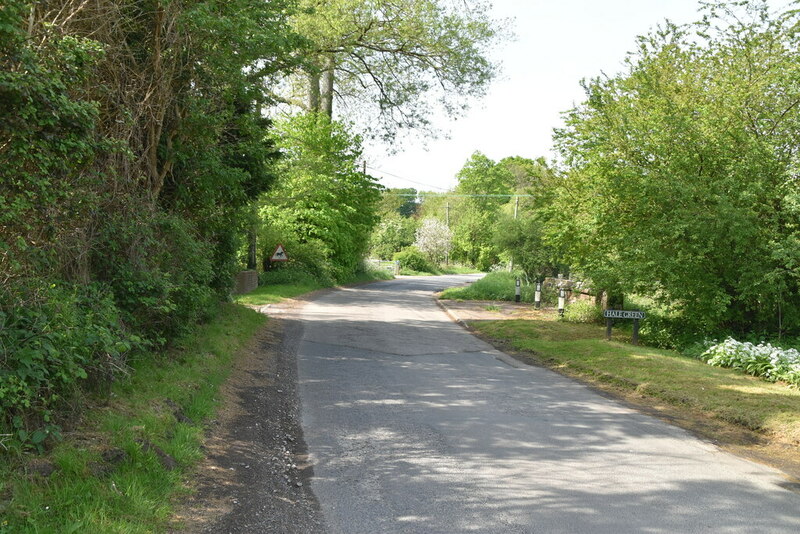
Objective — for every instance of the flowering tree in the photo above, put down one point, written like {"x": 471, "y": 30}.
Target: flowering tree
{"x": 433, "y": 238}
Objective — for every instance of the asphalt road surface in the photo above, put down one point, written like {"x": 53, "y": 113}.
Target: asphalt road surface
{"x": 414, "y": 425}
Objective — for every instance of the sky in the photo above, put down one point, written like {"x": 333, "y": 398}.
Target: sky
{"x": 558, "y": 43}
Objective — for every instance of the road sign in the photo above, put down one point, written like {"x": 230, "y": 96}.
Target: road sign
{"x": 279, "y": 254}
{"x": 623, "y": 314}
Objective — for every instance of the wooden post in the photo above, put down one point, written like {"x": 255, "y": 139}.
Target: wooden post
{"x": 608, "y": 328}
{"x": 635, "y": 332}
{"x": 447, "y": 223}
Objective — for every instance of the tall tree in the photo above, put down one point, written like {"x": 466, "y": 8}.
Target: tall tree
{"x": 384, "y": 60}
{"x": 486, "y": 187}
{"x": 322, "y": 202}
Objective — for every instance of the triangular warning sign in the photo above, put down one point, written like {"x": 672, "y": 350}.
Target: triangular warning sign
{"x": 279, "y": 254}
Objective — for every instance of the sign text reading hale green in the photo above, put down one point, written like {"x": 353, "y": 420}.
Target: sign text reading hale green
{"x": 623, "y": 314}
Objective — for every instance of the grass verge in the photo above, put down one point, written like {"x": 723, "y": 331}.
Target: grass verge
{"x": 273, "y": 293}
{"x": 771, "y": 410}
{"x": 290, "y": 284}
{"x": 493, "y": 286}
{"x": 126, "y": 461}
{"x": 440, "y": 270}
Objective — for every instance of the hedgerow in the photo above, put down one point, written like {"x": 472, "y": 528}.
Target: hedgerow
{"x": 132, "y": 148}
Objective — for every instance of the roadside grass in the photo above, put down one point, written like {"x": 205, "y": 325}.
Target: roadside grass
{"x": 437, "y": 270}
{"x": 458, "y": 269}
{"x": 274, "y": 293}
{"x": 371, "y": 276}
{"x": 771, "y": 409}
{"x": 493, "y": 286}
{"x": 109, "y": 473}
{"x": 292, "y": 283}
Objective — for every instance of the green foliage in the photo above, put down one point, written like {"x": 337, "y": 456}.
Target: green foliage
{"x": 47, "y": 140}
{"x": 412, "y": 259}
{"x": 392, "y": 235}
{"x": 473, "y": 218}
{"x": 682, "y": 179}
{"x": 88, "y": 493}
{"x": 168, "y": 287}
{"x": 762, "y": 360}
{"x": 55, "y": 341}
{"x": 390, "y": 61}
{"x": 132, "y": 146}
{"x": 398, "y": 201}
{"x": 583, "y": 311}
{"x": 523, "y": 240}
{"x": 322, "y": 203}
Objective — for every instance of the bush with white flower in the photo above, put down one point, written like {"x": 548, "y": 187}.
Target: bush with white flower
{"x": 764, "y": 360}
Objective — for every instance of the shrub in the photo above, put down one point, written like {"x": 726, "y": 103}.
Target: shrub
{"x": 160, "y": 273}
{"x": 411, "y": 258}
{"x": 307, "y": 260}
{"x": 289, "y": 274}
{"x": 392, "y": 235}
{"x": 52, "y": 343}
{"x": 583, "y": 311}
{"x": 763, "y": 360}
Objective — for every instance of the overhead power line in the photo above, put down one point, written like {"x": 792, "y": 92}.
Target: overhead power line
{"x": 405, "y": 179}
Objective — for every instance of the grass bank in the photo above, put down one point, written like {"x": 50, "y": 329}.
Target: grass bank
{"x": 440, "y": 270}
{"x": 120, "y": 467}
{"x": 770, "y": 409}
{"x": 278, "y": 285}
{"x": 497, "y": 286}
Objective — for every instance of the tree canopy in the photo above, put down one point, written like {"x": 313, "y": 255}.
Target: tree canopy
{"x": 384, "y": 61}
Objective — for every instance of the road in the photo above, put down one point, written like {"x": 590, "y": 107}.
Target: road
{"x": 413, "y": 425}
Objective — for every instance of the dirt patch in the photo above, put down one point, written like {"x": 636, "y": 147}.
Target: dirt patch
{"x": 256, "y": 474}
{"x": 730, "y": 437}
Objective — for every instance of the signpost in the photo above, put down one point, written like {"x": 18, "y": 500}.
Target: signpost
{"x": 624, "y": 314}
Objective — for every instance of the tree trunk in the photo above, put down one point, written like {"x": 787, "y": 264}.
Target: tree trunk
{"x": 313, "y": 92}
{"x": 327, "y": 87}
